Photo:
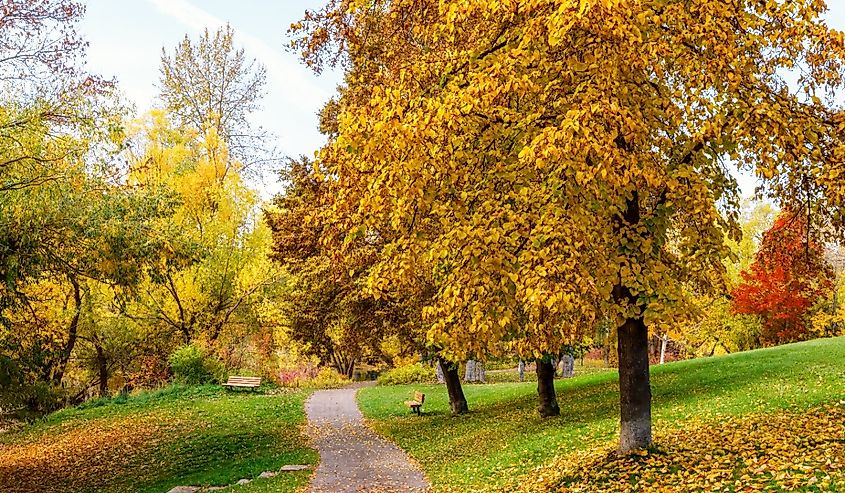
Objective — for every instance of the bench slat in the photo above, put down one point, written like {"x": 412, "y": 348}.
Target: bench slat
{"x": 236, "y": 381}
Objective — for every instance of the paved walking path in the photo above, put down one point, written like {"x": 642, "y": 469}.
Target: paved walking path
{"x": 352, "y": 457}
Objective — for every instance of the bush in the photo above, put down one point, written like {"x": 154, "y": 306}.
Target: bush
{"x": 328, "y": 378}
{"x": 416, "y": 373}
{"x": 296, "y": 376}
{"x": 191, "y": 365}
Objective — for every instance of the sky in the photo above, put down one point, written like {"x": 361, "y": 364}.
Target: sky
{"x": 126, "y": 37}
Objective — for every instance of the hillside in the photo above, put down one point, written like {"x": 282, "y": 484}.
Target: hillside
{"x": 153, "y": 442}
{"x": 503, "y": 438}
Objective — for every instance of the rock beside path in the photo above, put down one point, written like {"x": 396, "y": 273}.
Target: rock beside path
{"x": 263, "y": 475}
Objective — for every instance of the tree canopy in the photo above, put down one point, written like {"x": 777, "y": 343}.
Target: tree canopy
{"x": 789, "y": 275}
{"x": 550, "y": 161}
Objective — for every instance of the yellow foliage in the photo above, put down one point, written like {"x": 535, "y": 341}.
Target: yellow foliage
{"x": 764, "y": 452}
{"x": 525, "y": 158}
{"x": 70, "y": 457}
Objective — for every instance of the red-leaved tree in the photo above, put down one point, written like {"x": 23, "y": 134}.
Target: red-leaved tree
{"x": 788, "y": 276}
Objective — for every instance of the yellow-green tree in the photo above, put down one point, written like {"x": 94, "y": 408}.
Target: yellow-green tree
{"x": 223, "y": 279}
{"x": 558, "y": 159}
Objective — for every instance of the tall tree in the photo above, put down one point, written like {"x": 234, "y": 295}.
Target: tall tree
{"x": 789, "y": 275}
{"x": 52, "y": 115}
{"x": 40, "y": 49}
{"x": 325, "y": 305}
{"x": 211, "y": 83}
{"x": 554, "y": 157}
{"x": 225, "y": 270}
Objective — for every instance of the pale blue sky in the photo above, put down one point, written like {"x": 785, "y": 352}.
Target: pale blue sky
{"x": 126, "y": 37}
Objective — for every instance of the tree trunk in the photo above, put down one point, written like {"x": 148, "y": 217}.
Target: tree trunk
{"x": 59, "y": 372}
{"x": 632, "y": 351}
{"x": 469, "y": 371}
{"x": 567, "y": 363}
{"x": 439, "y": 371}
{"x": 546, "y": 389}
{"x": 521, "y": 370}
{"x": 102, "y": 366}
{"x": 453, "y": 385}
{"x": 663, "y": 341}
{"x": 634, "y": 386}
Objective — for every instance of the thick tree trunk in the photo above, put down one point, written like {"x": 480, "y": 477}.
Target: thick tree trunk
{"x": 632, "y": 350}
{"x": 474, "y": 371}
{"x": 634, "y": 386}
{"x": 103, "y": 368}
{"x": 453, "y": 385}
{"x": 439, "y": 371}
{"x": 567, "y": 366}
{"x": 480, "y": 372}
{"x": 546, "y": 389}
{"x": 469, "y": 371}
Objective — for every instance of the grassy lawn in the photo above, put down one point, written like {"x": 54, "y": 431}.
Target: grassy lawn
{"x": 152, "y": 442}
{"x": 503, "y": 438}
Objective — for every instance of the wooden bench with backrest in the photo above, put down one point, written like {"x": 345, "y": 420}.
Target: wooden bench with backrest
{"x": 416, "y": 404}
{"x": 243, "y": 382}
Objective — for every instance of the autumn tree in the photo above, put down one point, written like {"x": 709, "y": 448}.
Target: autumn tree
{"x": 712, "y": 326}
{"x": 64, "y": 218}
{"x": 224, "y": 272}
{"x": 325, "y": 305}
{"x": 40, "y": 49}
{"x": 211, "y": 83}
{"x": 564, "y": 159}
{"x": 789, "y": 275}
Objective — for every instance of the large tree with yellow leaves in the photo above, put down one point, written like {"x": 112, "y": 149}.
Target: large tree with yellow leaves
{"x": 544, "y": 161}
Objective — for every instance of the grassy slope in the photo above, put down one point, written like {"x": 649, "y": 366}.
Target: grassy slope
{"x": 152, "y": 442}
{"x": 503, "y": 437}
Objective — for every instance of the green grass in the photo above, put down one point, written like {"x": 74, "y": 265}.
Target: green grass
{"x": 154, "y": 441}
{"x": 502, "y": 436}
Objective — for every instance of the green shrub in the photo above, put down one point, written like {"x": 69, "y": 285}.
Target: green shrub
{"x": 328, "y": 378}
{"x": 191, "y": 365}
{"x": 416, "y": 373}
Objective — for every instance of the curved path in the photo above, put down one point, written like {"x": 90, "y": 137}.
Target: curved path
{"x": 352, "y": 457}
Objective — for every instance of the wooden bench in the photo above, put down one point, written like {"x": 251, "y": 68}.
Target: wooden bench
{"x": 243, "y": 382}
{"x": 416, "y": 404}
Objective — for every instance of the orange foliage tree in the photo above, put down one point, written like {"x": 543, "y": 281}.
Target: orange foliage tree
{"x": 787, "y": 278}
